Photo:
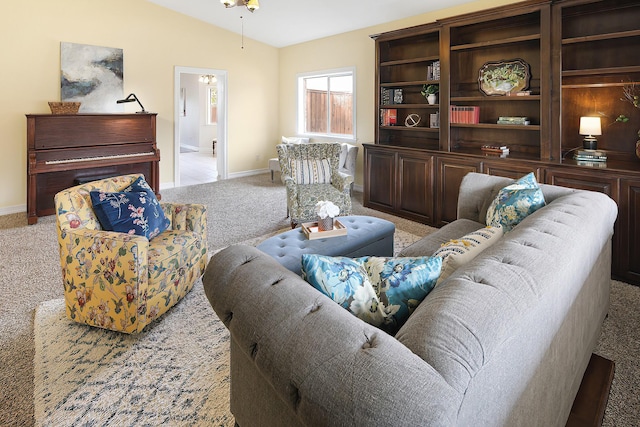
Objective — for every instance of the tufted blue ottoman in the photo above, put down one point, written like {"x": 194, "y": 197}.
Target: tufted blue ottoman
{"x": 366, "y": 235}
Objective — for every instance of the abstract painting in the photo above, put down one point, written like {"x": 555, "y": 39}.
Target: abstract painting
{"x": 92, "y": 75}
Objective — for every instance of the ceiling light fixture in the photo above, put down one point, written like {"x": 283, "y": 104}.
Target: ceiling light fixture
{"x": 251, "y": 5}
{"x": 208, "y": 79}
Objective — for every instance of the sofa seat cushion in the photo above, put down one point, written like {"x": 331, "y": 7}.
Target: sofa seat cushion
{"x": 309, "y": 195}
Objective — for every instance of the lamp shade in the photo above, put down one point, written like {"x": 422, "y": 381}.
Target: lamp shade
{"x": 253, "y": 5}
{"x": 590, "y": 126}
{"x": 228, "y": 3}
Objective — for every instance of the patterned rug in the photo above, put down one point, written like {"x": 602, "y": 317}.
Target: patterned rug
{"x": 174, "y": 373}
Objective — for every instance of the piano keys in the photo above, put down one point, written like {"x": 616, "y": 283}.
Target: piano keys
{"x": 64, "y": 150}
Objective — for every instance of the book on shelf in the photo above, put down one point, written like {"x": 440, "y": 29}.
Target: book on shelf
{"x": 502, "y": 150}
{"x": 388, "y": 116}
{"x": 390, "y": 96}
{"x": 590, "y": 163}
{"x": 433, "y": 71}
{"x": 590, "y": 155}
{"x": 434, "y": 120}
{"x": 464, "y": 114}
{"x": 510, "y": 120}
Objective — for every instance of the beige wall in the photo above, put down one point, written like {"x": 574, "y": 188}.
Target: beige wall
{"x": 354, "y": 49}
{"x": 154, "y": 41}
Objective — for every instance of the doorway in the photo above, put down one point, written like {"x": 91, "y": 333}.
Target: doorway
{"x": 200, "y": 148}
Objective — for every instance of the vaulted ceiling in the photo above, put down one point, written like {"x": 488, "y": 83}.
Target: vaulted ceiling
{"x": 281, "y": 23}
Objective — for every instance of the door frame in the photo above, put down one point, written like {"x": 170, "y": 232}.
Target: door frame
{"x": 221, "y": 145}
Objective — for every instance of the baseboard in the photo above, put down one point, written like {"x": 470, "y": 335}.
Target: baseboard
{"x": 13, "y": 209}
{"x": 591, "y": 401}
{"x": 248, "y": 173}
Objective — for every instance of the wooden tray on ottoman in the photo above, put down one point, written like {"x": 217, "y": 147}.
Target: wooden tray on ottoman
{"x": 310, "y": 229}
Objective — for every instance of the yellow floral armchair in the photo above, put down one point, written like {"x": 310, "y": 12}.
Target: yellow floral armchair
{"x": 121, "y": 281}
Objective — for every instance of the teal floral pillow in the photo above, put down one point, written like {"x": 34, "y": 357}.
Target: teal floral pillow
{"x": 515, "y": 202}
{"x": 381, "y": 291}
{"x": 345, "y": 281}
{"x": 401, "y": 284}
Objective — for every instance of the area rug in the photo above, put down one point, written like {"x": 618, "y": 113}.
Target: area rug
{"x": 174, "y": 373}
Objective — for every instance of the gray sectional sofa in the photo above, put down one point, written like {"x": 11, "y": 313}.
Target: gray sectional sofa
{"x": 504, "y": 340}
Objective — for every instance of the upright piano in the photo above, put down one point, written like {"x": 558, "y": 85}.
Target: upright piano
{"x": 67, "y": 149}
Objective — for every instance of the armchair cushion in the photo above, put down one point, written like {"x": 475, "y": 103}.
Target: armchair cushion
{"x": 311, "y": 171}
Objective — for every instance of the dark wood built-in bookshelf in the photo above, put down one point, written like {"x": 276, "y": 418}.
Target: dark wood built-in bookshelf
{"x": 580, "y": 54}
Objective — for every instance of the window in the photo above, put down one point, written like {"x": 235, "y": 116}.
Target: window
{"x": 212, "y": 105}
{"x": 326, "y": 104}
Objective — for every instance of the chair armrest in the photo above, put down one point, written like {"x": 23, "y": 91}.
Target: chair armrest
{"x": 290, "y": 184}
{"x": 350, "y": 161}
{"x": 341, "y": 181}
{"x": 190, "y": 217}
{"x": 105, "y": 244}
{"x": 105, "y": 272}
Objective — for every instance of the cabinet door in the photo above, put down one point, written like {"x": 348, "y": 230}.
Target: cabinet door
{"x": 415, "y": 187}
{"x": 584, "y": 180}
{"x": 588, "y": 179}
{"x": 509, "y": 170}
{"x": 450, "y": 172}
{"x": 629, "y": 231}
{"x": 379, "y": 179}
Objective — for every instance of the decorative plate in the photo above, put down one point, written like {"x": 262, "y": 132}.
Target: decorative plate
{"x": 502, "y": 77}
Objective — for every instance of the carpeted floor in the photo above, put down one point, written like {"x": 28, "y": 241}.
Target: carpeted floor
{"x": 238, "y": 209}
{"x": 176, "y": 372}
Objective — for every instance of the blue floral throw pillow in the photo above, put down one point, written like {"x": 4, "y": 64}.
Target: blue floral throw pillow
{"x": 515, "y": 202}
{"x": 135, "y": 210}
{"x": 401, "y": 284}
{"x": 381, "y": 291}
{"x": 345, "y": 281}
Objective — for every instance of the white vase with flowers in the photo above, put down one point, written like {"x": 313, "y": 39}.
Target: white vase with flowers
{"x": 326, "y": 211}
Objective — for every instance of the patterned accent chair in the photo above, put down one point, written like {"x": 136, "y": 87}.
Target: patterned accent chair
{"x": 311, "y": 173}
{"x": 121, "y": 281}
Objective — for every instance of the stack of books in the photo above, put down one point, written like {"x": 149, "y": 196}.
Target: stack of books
{"x": 495, "y": 150}
{"x": 434, "y": 120}
{"x": 433, "y": 71}
{"x": 390, "y": 96}
{"x": 510, "y": 120}
{"x": 388, "y": 116}
{"x": 467, "y": 114}
{"x": 590, "y": 156}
